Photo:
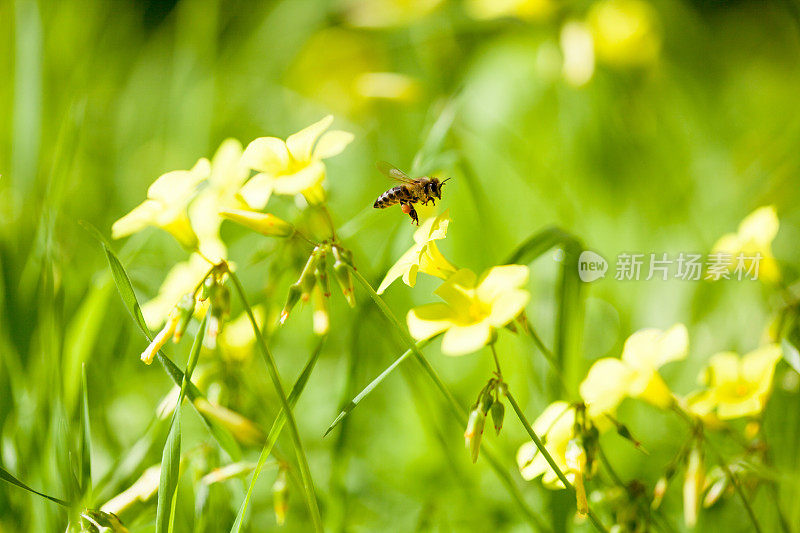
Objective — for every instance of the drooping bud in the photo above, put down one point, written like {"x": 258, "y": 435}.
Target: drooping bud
{"x": 658, "y": 492}
{"x": 715, "y": 486}
{"x": 474, "y": 432}
{"x": 498, "y": 413}
{"x": 575, "y": 456}
{"x": 321, "y": 273}
{"x": 320, "y": 317}
{"x": 280, "y": 495}
{"x": 220, "y": 309}
{"x": 186, "y": 309}
{"x": 264, "y": 223}
{"x": 692, "y": 485}
{"x": 208, "y": 286}
{"x": 295, "y": 291}
{"x": 307, "y": 278}
{"x": 163, "y": 336}
{"x": 343, "y": 277}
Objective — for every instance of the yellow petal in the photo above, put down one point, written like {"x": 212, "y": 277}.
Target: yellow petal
{"x": 651, "y": 348}
{"x": 266, "y": 154}
{"x": 748, "y": 406}
{"x": 500, "y": 279}
{"x": 332, "y": 143}
{"x": 140, "y": 217}
{"x": 650, "y": 387}
{"x": 296, "y": 183}
{"x": 410, "y": 275}
{"x": 460, "y": 340}
{"x": 760, "y": 226}
{"x": 432, "y": 262}
{"x": 227, "y": 170}
{"x": 400, "y": 268}
{"x": 507, "y": 306}
{"x": 434, "y": 228}
{"x": 723, "y": 368}
{"x": 758, "y": 366}
{"x": 178, "y": 186}
{"x": 428, "y": 320}
{"x": 605, "y": 386}
{"x": 301, "y": 143}
{"x": 181, "y": 228}
{"x": 257, "y": 191}
{"x": 531, "y": 463}
{"x": 457, "y": 290}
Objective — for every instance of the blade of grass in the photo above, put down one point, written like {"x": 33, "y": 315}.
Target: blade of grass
{"x": 171, "y": 458}
{"x": 352, "y": 404}
{"x": 85, "y": 440}
{"x": 272, "y": 368}
{"x": 125, "y": 289}
{"x": 274, "y": 432}
{"x": 5, "y": 475}
{"x": 458, "y": 412}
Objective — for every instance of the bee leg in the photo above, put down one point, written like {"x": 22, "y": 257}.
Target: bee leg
{"x": 413, "y": 214}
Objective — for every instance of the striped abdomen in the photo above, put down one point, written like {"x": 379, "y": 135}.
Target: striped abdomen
{"x": 399, "y": 194}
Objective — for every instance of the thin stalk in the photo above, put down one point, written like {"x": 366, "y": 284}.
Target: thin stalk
{"x": 551, "y": 359}
{"x": 305, "y": 471}
{"x": 455, "y": 407}
{"x": 689, "y": 419}
{"x": 549, "y": 458}
{"x": 736, "y": 485}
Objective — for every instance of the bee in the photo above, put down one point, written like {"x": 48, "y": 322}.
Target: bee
{"x": 409, "y": 192}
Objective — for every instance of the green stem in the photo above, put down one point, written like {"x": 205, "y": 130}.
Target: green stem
{"x": 692, "y": 421}
{"x": 736, "y": 485}
{"x": 305, "y": 471}
{"x": 455, "y": 407}
{"x": 549, "y": 458}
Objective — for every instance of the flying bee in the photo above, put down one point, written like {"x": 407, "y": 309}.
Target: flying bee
{"x": 409, "y": 192}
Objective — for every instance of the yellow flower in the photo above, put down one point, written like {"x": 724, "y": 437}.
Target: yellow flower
{"x": 264, "y": 223}
{"x": 226, "y": 177}
{"x": 180, "y": 280}
{"x": 424, "y": 256}
{"x": 523, "y": 9}
{"x": 624, "y": 32}
{"x": 291, "y": 167}
{"x": 474, "y": 308}
{"x": 754, "y": 236}
{"x": 737, "y": 386}
{"x": 611, "y": 380}
{"x": 556, "y": 427}
{"x": 165, "y": 206}
{"x": 577, "y": 48}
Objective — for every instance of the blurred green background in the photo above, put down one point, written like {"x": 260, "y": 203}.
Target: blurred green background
{"x": 660, "y": 143}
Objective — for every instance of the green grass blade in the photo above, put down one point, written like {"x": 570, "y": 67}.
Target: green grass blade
{"x": 537, "y": 244}
{"x": 6, "y": 476}
{"x": 272, "y": 368}
{"x": 352, "y": 404}
{"x": 125, "y": 289}
{"x": 274, "y": 432}
{"x": 171, "y": 458}
{"x": 85, "y": 439}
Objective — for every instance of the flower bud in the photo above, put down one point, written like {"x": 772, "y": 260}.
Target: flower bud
{"x": 474, "y": 432}
{"x": 280, "y": 496}
{"x": 716, "y": 486}
{"x": 186, "y": 309}
{"x": 658, "y": 492}
{"x": 307, "y": 278}
{"x": 208, "y": 286}
{"x": 163, "y": 336}
{"x": 320, "y": 318}
{"x": 575, "y": 456}
{"x": 343, "y": 277}
{"x": 321, "y": 273}
{"x": 498, "y": 413}
{"x": 295, "y": 291}
{"x": 264, "y": 223}
{"x": 692, "y": 485}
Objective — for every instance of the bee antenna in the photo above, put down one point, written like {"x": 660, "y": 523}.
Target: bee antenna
{"x": 446, "y": 180}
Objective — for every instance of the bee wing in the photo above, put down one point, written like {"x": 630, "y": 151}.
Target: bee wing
{"x": 392, "y": 172}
